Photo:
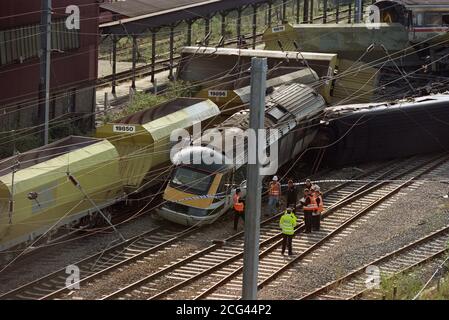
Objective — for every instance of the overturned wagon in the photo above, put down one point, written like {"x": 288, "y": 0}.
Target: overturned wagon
{"x": 380, "y": 131}
{"x": 38, "y": 192}
{"x": 143, "y": 138}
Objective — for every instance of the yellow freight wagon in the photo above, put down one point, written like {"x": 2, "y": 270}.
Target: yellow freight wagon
{"x": 211, "y": 67}
{"x": 143, "y": 138}
{"x": 349, "y": 41}
{"x": 229, "y": 96}
{"x": 37, "y": 197}
{"x": 356, "y": 80}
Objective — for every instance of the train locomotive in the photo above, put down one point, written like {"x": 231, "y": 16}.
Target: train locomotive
{"x": 67, "y": 182}
{"x": 199, "y": 193}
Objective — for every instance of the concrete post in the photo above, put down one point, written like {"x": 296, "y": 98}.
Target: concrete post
{"x": 114, "y": 63}
{"x": 153, "y": 54}
{"x": 255, "y": 7}
{"x": 254, "y": 184}
{"x": 171, "y": 49}
{"x": 134, "y": 62}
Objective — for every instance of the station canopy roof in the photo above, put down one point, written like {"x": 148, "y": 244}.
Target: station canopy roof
{"x": 135, "y": 8}
{"x": 142, "y": 15}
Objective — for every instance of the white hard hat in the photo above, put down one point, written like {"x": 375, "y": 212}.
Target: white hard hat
{"x": 275, "y": 178}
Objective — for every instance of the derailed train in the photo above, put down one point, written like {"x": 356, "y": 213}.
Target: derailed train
{"x": 414, "y": 30}
{"x": 386, "y": 130}
{"x": 198, "y": 193}
{"x": 65, "y": 183}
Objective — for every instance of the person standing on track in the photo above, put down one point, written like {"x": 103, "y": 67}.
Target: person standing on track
{"x": 316, "y": 214}
{"x": 287, "y": 223}
{"x": 308, "y": 184}
{"x": 308, "y": 205}
{"x": 291, "y": 195}
{"x": 274, "y": 194}
{"x": 239, "y": 208}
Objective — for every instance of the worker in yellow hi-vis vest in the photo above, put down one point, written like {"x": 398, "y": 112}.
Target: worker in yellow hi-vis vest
{"x": 287, "y": 224}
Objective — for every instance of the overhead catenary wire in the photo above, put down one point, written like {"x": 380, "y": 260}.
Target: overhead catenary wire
{"x": 397, "y": 79}
{"x": 368, "y": 65}
{"x": 306, "y": 40}
{"x": 392, "y": 81}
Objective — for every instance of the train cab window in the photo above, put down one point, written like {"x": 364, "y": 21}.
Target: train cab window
{"x": 191, "y": 181}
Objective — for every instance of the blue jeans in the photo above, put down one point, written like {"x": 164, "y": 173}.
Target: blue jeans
{"x": 272, "y": 202}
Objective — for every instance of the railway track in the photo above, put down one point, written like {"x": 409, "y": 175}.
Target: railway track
{"x": 340, "y": 218}
{"x": 146, "y": 248}
{"x": 146, "y": 245}
{"x": 219, "y": 264}
{"x": 141, "y": 248}
{"x": 53, "y": 242}
{"x": 354, "y": 284}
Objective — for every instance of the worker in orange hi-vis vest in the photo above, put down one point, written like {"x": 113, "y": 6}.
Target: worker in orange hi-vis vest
{"x": 316, "y": 214}
{"x": 239, "y": 208}
{"x": 308, "y": 205}
{"x": 274, "y": 195}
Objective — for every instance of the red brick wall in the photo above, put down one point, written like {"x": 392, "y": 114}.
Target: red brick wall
{"x": 76, "y": 68}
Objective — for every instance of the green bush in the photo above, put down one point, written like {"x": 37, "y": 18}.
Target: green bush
{"x": 407, "y": 286}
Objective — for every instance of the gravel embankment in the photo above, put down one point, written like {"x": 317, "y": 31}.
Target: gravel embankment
{"x": 413, "y": 213}
{"x": 56, "y": 257}
{"x": 42, "y": 263}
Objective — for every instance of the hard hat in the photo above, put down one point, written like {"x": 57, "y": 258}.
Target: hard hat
{"x": 275, "y": 178}
{"x": 289, "y": 209}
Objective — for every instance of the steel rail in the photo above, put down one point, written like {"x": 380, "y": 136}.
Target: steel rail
{"x": 323, "y": 240}
{"x": 233, "y": 258}
{"x": 392, "y": 255}
{"x": 116, "y": 249}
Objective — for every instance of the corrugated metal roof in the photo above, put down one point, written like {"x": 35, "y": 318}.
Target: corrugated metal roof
{"x": 134, "y": 8}
{"x": 304, "y": 76}
{"x": 146, "y": 14}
